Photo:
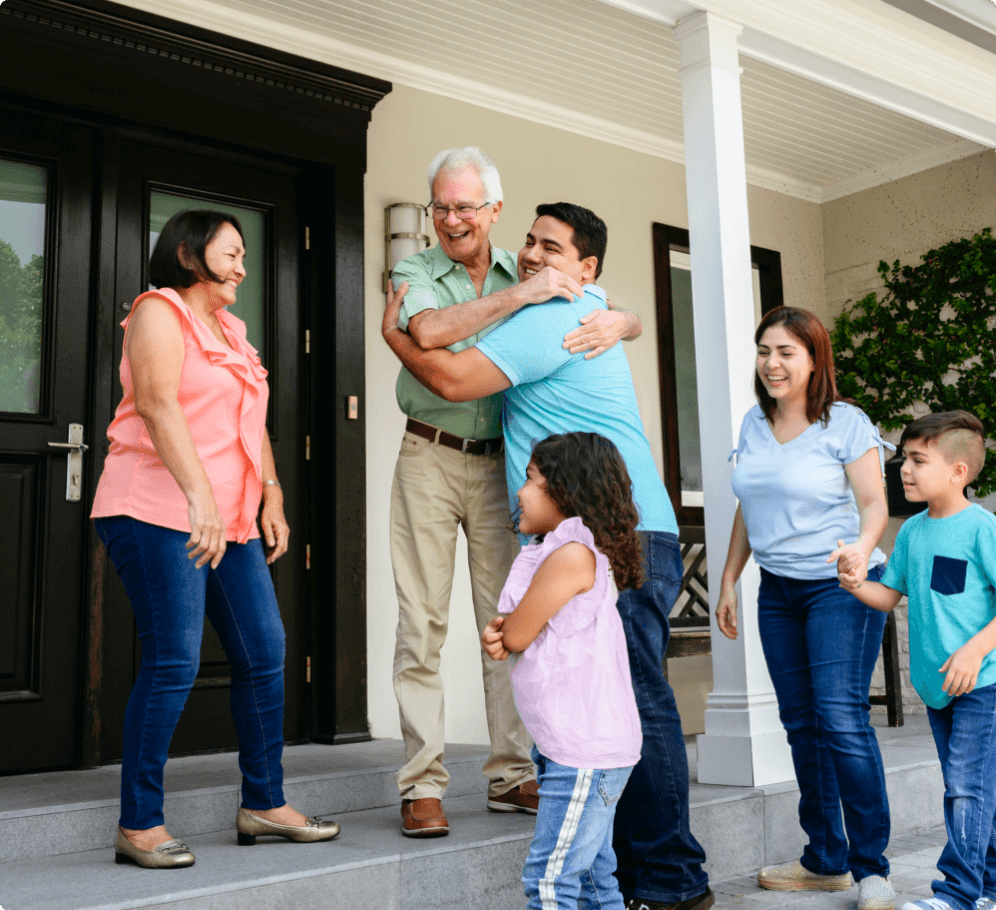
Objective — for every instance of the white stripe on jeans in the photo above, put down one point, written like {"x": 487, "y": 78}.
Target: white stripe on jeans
{"x": 547, "y": 889}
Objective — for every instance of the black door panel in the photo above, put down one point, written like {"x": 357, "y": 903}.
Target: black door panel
{"x": 46, "y": 199}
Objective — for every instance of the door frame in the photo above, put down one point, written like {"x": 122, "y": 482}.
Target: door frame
{"x": 126, "y": 72}
{"x": 666, "y": 238}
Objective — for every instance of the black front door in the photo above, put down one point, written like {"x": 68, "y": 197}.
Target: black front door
{"x": 46, "y": 189}
{"x": 154, "y": 183}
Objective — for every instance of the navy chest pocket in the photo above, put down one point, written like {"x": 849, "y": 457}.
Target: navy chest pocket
{"x": 948, "y": 576}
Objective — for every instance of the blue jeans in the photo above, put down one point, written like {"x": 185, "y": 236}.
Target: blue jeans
{"x": 821, "y": 644}
{"x": 659, "y": 858}
{"x": 965, "y": 734}
{"x": 170, "y": 598}
{"x": 570, "y": 862}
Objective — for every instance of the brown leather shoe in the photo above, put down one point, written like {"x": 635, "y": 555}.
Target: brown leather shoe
{"x": 524, "y": 798}
{"x": 423, "y": 818}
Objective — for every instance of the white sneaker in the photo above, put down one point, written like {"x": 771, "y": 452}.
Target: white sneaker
{"x": 929, "y": 903}
{"x": 875, "y": 893}
{"x": 985, "y": 903}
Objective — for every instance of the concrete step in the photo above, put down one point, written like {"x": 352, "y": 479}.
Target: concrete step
{"x": 57, "y": 831}
{"x": 369, "y": 865}
{"x": 71, "y": 811}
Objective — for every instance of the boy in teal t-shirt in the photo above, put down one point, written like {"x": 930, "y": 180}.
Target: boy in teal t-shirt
{"x": 945, "y": 562}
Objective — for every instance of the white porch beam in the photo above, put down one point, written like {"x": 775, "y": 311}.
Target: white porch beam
{"x": 940, "y": 107}
{"x": 744, "y": 743}
{"x": 978, "y": 15}
{"x": 866, "y": 48}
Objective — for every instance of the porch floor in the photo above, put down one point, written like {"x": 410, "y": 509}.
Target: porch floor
{"x": 912, "y": 858}
{"x": 56, "y": 832}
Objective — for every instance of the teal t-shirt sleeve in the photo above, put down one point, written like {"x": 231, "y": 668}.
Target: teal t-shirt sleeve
{"x": 895, "y": 574}
{"x": 421, "y": 293}
{"x": 986, "y": 543}
{"x": 528, "y": 347}
{"x": 856, "y": 434}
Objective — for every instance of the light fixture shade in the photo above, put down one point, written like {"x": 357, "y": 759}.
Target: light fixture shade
{"x": 404, "y": 234}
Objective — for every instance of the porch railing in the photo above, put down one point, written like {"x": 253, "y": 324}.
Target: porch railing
{"x": 689, "y": 621}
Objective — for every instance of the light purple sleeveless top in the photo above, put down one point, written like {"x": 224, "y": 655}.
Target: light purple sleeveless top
{"x": 572, "y": 685}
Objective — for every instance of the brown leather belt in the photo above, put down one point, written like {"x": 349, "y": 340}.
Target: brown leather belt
{"x": 441, "y": 437}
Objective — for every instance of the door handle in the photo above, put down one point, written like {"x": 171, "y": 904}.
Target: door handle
{"x": 74, "y": 462}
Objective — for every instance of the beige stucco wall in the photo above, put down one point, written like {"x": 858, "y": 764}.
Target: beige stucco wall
{"x": 538, "y": 164}
{"x": 903, "y": 220}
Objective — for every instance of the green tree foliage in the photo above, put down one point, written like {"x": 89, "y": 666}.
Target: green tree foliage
{"x": 20, "y": 329}
{"x": 928, "y": 339}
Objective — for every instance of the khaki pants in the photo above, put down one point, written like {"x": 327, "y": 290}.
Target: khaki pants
{"x": 436, "y": 490}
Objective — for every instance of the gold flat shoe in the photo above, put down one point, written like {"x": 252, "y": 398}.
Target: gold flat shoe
{"x": 170, "y": 855}
{"x": 252, "y": 826}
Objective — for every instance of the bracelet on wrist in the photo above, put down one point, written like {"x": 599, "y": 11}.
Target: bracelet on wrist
{"x": 272, "y": 483}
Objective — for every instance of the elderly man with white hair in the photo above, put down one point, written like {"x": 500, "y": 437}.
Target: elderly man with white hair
{"x": 451, "y": 473}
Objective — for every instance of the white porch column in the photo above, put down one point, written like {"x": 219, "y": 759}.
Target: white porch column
{"x": 744, "y": 743}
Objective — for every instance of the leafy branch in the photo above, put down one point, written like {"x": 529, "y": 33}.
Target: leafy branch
{"x": 929, "y": 339}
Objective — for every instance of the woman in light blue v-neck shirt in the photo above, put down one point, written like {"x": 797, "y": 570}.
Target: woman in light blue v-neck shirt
{"x": 808, "y": 476}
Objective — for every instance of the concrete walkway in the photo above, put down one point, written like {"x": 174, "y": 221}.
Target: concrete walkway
{"x": 913, "y": 858}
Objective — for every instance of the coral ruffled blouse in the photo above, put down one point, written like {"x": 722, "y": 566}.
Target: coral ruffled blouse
{"x": 223, "y": 393}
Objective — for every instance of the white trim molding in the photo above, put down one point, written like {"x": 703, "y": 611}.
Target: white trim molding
{"x": 666, "y": 12}
{"x": 981, "y": 15}
{"x": 277, "y": 35}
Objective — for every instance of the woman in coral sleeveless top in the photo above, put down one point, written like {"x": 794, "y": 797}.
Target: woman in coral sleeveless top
{"x": 189, "y": 462}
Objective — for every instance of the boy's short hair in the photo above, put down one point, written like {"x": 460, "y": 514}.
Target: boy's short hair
{"x": 591, "y": 236}
{"x": 958, "y": 434}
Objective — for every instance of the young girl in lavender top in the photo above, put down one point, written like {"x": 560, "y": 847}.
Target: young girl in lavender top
{"x": 569, "y": 665}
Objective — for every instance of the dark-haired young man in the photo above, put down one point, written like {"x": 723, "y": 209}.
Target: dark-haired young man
{"x": 547, "y": 390}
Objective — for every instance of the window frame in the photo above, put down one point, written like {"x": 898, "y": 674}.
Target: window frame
{"x": 665, "y": 239}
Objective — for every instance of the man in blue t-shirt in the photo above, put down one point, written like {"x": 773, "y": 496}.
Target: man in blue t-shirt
{"x": 547, "y": 391}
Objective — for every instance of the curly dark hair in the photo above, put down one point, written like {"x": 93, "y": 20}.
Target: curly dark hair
{"x": 587, "y": 477}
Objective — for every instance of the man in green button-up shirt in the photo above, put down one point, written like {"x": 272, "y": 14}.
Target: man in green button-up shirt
{"x": 450, "y": 474}
{"x": 437, "y": 282}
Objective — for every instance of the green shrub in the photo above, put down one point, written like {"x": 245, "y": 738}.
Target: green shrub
{"x": 930, "y": 338}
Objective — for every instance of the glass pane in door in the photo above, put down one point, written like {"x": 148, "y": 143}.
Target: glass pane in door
{"x": 689, "y": 453}
{"x": 23, "y": 189}
{"x": 249, "y": 307}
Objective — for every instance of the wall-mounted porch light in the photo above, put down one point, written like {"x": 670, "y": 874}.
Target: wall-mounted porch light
{"x": 404, "y": 234}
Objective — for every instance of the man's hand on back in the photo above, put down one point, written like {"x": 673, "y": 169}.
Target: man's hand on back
{"x": 599, "y": 331}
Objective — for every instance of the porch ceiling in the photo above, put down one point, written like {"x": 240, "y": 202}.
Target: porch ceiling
{"x": 584, "y": 66}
